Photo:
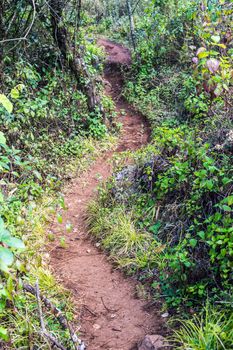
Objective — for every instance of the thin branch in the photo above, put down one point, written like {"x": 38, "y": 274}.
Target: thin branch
{"x": 28, "y": 30}
{"x": 135, "y": 7}
{"x": 42, "y": 324}
{"x": 78, "y": 344}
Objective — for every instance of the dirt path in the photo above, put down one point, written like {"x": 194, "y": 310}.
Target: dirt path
{"x": 110, "y": 315}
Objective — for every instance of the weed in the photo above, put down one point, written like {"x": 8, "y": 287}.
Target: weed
{"x": 212, "y": 329}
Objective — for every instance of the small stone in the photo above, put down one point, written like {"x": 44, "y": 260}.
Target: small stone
{"x": 88, "y": 251}
{"x": 166, "y": 314}
{"x": 96, "y": 326}
{"x": 97, "y": 245}
{"x": 152, "y": 342}
{"x": 116, "y": 329}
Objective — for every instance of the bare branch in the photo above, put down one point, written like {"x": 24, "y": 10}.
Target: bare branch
{"x": 42, "y": 324}
{"x": 28, "y": 30}
{"x": 78, "y": 344}
{"x": 135, "y": 7}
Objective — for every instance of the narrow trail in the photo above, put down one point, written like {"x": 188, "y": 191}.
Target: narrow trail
{"x": 110, "y": 315}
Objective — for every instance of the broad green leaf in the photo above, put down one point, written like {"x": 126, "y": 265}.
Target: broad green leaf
{"x": 226, "y": 208}
{"x": 203, "y": 54}
{"x": 193, "y": 242}
{"x": 222, "y": 46}
{"x": 201, "y": 49}
{"x": 3, "y": 334}
{"x": 201, "y": 234}
{"x": 155, "y": 228}
{"x": 6, "y": 103}
{"x": 14, "y": 242}
{"x": 2, "y": 226}
{"x": 15, "y": 93}
{"x": 2, "y": 138}
{"x": 215, "y": 38}
{"x": 4, "y": 235}
{"x": 209, "y": 184}
{"x": 20, "y": 87}
{"x": 6, "y": 258}
{"x": 229, "y": 200}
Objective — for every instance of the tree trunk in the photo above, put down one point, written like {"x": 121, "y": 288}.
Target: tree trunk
{"x": 2, "y": 36}
{"x": 79, "y": 13}
{"x": 75, "y": 61}
{"x": 132, "y": 26}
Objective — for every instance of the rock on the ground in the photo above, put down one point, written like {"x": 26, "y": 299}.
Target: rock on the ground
{"x": 125, "y": 183}
{"x": 152, "y": 342}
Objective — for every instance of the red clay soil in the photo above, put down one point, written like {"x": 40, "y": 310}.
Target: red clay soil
{"x": 110, "y": 314}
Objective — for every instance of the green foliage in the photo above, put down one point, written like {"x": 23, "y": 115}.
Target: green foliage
{"x": 193, "y": 230}
{"x": 115, "y": 228}
{"x": 9, "y": 243}
{"x": 212, "y": 329}
{"x": 47, "y": 135}
{"x": 6, "y": 103}
{"x": 27, "y": 215}
{"x": 181, "y": 80}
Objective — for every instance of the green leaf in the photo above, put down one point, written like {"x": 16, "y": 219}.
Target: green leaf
{"x": 229, "y": 200}
{"x": 203, "y": 54}
{"x": 6, "y": 103}
{"x": 226, "y": 208}
{"x": 2, "y": 226}
{"x": 3, "y": 334}
{"x": 69, "y": 227}
{"x": 193, "y": 242}
{"x": 15, "y": 93}
{"x": 37, "y": 175}
{"x": 4, "y": 234}
{"x": 222, "y": 46}
{"x": 14, "y": 242}
{"x": 209, "y": 184}
{"x": 2, "y": 138}
{"x": 6, "y": 258}
{"x": 155, "y": 228}
{"x": 215, "y": 38}
{"x": 201, "y": 234}
{"x": 59, "y": 218}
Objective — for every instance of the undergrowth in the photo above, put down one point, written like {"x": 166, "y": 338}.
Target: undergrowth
{"x": 48, "y": 134}
{"x": 29, "y": 222}
{"x": 177, "y": 191}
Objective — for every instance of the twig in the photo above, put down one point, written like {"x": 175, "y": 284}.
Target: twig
{"x": 28, "y": 30}
{"x": 78, "y": 344}
{"x": 107, "y": 308}
{"x": 135, "y": 7}
{"x": 42, "y": 324}
{"x": 90, "y": 311}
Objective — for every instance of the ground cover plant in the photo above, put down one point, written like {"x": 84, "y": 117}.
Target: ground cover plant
{"x": 167, "y": 218}
{"x": 52, "y": 113}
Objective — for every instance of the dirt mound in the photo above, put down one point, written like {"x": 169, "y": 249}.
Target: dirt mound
{"x": 116, "y": 53}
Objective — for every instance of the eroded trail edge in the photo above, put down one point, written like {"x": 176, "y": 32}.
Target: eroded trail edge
{"x": 110, "y": 315}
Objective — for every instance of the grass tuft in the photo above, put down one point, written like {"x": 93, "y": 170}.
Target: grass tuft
{"x": 210, "y": 330}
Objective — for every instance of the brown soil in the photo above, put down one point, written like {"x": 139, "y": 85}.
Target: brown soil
{"x": 111, "y": 316}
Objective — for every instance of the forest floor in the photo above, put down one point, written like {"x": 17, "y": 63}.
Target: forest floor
{"x": 109, "y": 311}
